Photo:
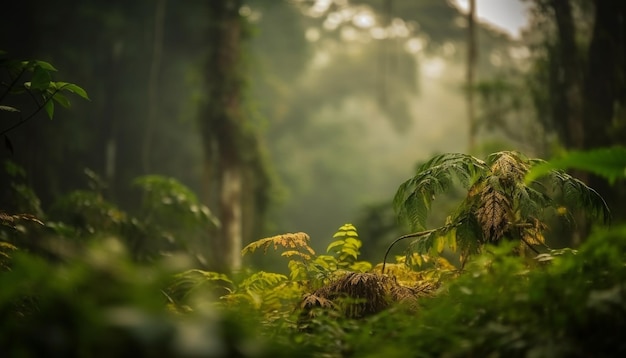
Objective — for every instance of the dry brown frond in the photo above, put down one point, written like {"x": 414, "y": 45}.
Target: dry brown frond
{"x": 509, "y": 168}
{"x": 311, "y": 301}
{"x": 409, "y": 295}
{"x": 11, "y": 220}
{"x": 493, "y": 213}
{"x": 292, "y": 253}
{"x": 293, "y": 241}
{"x": 358, "y": 294}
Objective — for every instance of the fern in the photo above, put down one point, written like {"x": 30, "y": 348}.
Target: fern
{"x": 261, "y": 281}
{"x": 5, "y": 254}
{"x": 188, "y": 282}
{"x": 346, "y": 249}
{"x": 414, "y": 197}
{"x": 499, "y": 202}
{"x": 576, "y": 194}
{"x": 293, "y": 241}
{"x": 609, "y": 163}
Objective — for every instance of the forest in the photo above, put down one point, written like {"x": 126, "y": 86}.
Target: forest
{"x": 312, "y": 178}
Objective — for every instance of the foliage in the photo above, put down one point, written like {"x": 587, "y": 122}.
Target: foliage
{"x": 498, "y": 205}
{"x": 95, "y": 299}
{"x": 100, "y": 303}
{"x": 171, "y": 216}
{"x": 41, "y": 89}
{"x": 610, "y": 163}
{"x": 500, "y": 306}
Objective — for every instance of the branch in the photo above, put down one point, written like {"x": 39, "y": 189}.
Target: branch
{"x": 530, "y": 246}
{"x": 39, "y": 108}
{"x": 12, "y": 84}
{"x": 415, "y": 234}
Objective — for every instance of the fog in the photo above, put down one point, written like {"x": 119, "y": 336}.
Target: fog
{"x": 346, "y": 97}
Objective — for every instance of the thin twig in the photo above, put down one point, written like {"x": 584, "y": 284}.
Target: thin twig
{"x": 415, "y": 234}
{"x": 12, "y": 84}
{"x": 39, "y": 108}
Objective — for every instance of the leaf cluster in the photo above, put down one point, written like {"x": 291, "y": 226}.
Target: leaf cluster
{"x": 499, "y": 203}
{"x": 41, "y": 89}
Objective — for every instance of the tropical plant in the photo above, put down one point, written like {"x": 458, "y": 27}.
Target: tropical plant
{"x": 499, "y": 204}
{"x": 41, "y": 89}
{"x": 609, "y": 163}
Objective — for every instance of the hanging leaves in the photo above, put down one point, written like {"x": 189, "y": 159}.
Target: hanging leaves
{"x": 294, "y": 241}
{"x": 499, "y": 202}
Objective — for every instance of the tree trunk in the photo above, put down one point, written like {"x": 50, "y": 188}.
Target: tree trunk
{"x": 606, "y": 53}
{"x": 571, "y": 80}
{"x": 221, "y": 124}
{"x": 604, "y": 86}
{"x": 153, "y": 84}
{"x": 471, "y": 73}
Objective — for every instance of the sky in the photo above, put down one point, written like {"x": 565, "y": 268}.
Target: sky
{"x": 509, "y": 15}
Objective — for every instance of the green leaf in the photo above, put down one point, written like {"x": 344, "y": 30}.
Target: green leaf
{"x": 335, "y": 244}
{"x": 440, "y": 244}
{"x": 70, "y": 87}
{"x": 61, "y": 99}
{"x": 352, "y": 233}
{"x": 609, "y": 163}
{"x": 45, "y": 65}
{"x": 352, "y": 242}
{"x": 9, "y": 109}
{"x": 41, "y": 79}
{"x": 49, "y": 107}
{"x": 350, "y": 251}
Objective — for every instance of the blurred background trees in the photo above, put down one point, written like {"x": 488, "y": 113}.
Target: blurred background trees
{"x": 326, "y": 109}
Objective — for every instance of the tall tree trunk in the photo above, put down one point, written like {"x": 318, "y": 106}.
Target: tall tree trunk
{"x": 153, "y": 84}
{"x": 222, "y": 128}
{"x": 569, "y": 84}
{"x": 471, "y": 73}
{"x": 571, "y": 80}
{"x": 604, "y": 86}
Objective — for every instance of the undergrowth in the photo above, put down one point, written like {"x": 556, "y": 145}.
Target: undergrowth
{"x": 82, "y": 281}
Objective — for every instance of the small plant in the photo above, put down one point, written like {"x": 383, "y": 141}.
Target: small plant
{"x": 43, "y": 91}
{"x": 499, "y": 204}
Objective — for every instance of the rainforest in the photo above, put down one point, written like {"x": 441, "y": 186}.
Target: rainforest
{"x": 313, "y": 178}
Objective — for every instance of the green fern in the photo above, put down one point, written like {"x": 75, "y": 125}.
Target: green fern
{"x": 261, "y": 281}
{"x": 499, "y": 203}
{"x": 346, "y": 249}
{"x": 187, "y": 283}
{"x": 609, "y": 163}
{"x": 414, "y": 197}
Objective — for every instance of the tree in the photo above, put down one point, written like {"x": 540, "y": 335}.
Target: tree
{"x": 471, "y": 73}
{"x": 589, "y": 77}
{"x": 233, "y": 168}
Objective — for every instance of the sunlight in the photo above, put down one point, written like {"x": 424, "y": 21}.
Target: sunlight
{"x": 508, "y": 15}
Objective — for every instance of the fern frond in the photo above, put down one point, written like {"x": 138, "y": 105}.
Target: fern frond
{"x": 493, "y": 214}
{"x": 11, "y": 220}
{"x": 576, "y": 194}
{"x": 261, "y": 281}
{"x": 346, "y": 249}
{"x": 511, "y": 166}
{"x": 530, "y": 202}
{"x": 292, "y": 253}
{"x": 413, "y": 199}
{"x": 192, "y": 280}
{"x": 292, "y": 241}
{"x": 609, "y": 163}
